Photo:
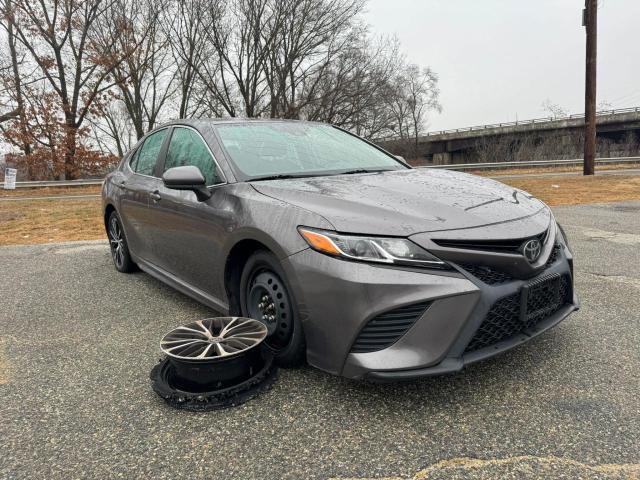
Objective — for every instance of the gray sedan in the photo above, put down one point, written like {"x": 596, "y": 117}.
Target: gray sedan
{"x": 354, "y": 261}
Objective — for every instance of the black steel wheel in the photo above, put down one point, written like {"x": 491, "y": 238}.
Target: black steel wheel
{"x": 268, "y": 302}
{"x": 118, "y": 245}
{"x": 265, "y": 296}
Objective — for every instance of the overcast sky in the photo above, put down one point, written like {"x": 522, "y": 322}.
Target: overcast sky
{"x": 500, "y": 58}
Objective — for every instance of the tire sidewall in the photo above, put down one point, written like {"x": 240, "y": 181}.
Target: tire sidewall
{"x": 294, "y": 352}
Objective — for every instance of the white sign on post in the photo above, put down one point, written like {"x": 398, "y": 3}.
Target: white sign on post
{"x": 10, "y": 178}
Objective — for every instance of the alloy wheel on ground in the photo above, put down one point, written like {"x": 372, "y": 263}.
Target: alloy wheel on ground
{"x": 213, "y": 363}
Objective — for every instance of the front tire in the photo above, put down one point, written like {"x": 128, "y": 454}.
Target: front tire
{"x": 265, "y": 296}
{"x": 118, "y": 245}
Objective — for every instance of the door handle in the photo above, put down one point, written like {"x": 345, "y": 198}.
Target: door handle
{"x": 155, "y": 196}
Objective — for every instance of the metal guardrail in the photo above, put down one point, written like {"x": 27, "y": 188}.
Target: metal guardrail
{"x": 57, "y": 183}
{"x": 533, "y": 163}
{"x": 533, "y": 121}
{"x": 455, "y": 166}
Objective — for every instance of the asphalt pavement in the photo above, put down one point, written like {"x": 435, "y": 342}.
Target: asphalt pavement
{"x": 78, "y": 339}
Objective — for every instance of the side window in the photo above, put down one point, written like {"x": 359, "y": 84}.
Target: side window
{"x": 145, "y": 158}
{"x": 187, "y": 148}
{"x": 134, "y": 160}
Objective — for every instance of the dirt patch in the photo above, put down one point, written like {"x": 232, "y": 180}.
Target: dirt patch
{"x": 9, "y": 216}
{"x": 526, "y": 467}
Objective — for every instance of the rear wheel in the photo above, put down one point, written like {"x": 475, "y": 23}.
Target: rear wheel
{"x": 118, "y": 245}
{"x": 265, "y": 296}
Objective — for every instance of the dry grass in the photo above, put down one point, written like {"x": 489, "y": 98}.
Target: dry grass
{"x": 578, "y": 190}
{"x": 51, "y": 191}
{"x": 43, "y": 221}
{"x": 531, "y": 170}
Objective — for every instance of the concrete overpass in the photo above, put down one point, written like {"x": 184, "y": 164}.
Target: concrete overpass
{"x": 461, "y": 145}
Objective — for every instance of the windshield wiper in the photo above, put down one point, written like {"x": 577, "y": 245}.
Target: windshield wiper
{"x": 363, "y": 170}
{"x": 280, "y": 176}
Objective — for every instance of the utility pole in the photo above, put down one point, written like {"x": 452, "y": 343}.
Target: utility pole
{"x": 590, "y": 22}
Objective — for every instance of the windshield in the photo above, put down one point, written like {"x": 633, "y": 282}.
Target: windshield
{"x": 288, "y": 149}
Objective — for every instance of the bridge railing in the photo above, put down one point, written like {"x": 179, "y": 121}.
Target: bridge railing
{"x": 532, "y": 121}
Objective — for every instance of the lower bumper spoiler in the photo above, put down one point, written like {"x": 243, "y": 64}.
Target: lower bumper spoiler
{"x": 452, "y": 365}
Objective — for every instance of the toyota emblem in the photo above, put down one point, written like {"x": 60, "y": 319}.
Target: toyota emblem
{"x": 531, "y": 249}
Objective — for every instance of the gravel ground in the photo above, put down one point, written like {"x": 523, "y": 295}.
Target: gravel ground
{"x": 77, "y": 341}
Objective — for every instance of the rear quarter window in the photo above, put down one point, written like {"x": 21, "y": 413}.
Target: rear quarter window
{"x": 145, "y": 158}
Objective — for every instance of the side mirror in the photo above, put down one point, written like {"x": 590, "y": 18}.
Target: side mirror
{"x": 401, "y": 158}
{"x": 187, "y": 178}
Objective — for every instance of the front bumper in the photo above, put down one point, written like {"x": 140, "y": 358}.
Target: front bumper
{"x": 337, "y": 298}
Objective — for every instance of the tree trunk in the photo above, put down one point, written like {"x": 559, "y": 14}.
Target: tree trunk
{"x": 71, "y": 170}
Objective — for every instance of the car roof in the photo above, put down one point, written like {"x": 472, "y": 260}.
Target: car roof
{"x": 207, "y": 122}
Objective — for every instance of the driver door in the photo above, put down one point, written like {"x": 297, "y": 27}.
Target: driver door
{"x": 188, "y": 234}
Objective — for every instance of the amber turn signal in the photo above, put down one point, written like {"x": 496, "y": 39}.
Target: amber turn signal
{"x": 319, "y": 242}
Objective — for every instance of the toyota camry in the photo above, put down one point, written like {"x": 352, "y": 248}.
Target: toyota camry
{"x": 355, "y": 262}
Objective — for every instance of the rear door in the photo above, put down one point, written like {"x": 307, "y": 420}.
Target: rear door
{"x": 187, "y": 233}
{"x": 141, "y": 180}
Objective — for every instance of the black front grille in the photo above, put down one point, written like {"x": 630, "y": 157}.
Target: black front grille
{"x": 486, "y": 274}
{"x": 517, "y": 312}
{"x": 385, "y": 329}
{"x": 492, "y": 276}
{"x": 502, "y": 246}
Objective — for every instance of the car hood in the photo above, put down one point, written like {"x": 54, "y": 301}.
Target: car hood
{"x": 405, "y": 202}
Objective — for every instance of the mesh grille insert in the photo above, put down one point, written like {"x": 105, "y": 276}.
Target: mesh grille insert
{"x": 486, "y": 274}
{"x": 385, "y": 329}
{"x": 517, "y": 312}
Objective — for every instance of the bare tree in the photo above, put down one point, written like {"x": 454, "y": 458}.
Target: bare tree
{"x": 555, "y": 110}
{"x": 87, "y": 76}
{"x": 310, "y": 34}
{"x": 352, "y": 89}
{"x": 11, "y": 78}
{"x": 111, "y": 132}
{"x": 188, "y": 23}
{"x": 416, "y": 93}
{"x": 145, "y": 78}
{"x": 241, "y": 35}
{"x": 66, "y": 40}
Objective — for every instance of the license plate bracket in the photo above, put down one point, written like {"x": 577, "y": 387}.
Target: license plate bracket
{"x": 539, "y": 299}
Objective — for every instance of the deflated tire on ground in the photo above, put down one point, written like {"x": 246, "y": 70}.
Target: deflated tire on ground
{"x": 213, "y": 363}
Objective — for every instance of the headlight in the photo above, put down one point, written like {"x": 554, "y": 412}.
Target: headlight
{"x": 399, "y": 251}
